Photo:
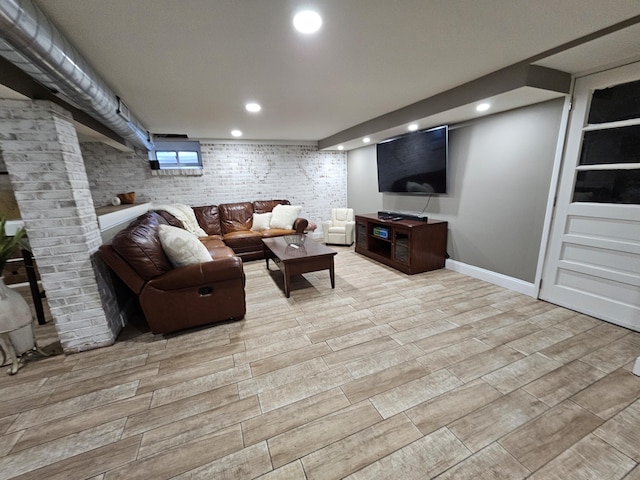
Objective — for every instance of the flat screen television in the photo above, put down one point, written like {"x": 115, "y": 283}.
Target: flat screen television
{"x": 414, "y": 163}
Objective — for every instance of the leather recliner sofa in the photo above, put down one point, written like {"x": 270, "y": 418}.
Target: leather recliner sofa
{"x": 233, "y": 222}
{"x": 174, "y": 299}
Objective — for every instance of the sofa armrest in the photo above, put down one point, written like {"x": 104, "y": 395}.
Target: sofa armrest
{"x": 349, "y": 228}
{"x": 121, "y": 268}
{"x": 300, "y": 225}
{"x": 200, "y": 274}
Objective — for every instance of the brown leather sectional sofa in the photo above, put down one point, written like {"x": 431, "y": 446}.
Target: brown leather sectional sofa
{"x": 178, "y": 298}
{"x": 233, "y": 221}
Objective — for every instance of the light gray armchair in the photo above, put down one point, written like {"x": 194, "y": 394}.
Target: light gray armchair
{"x": 340, "y": 230}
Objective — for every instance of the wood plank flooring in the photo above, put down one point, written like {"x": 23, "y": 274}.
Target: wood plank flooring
{"x": 387, "y": 376}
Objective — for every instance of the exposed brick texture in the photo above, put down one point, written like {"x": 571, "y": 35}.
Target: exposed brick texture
{"x": 42, "y": 154}
{"x": 58, "y": 182}
{"x": 232, "y": 172}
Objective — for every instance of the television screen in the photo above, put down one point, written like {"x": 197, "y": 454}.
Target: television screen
{"x": 414, "y": 163}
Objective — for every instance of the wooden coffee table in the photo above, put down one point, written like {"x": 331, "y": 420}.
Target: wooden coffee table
{"x": 292, "y": 260}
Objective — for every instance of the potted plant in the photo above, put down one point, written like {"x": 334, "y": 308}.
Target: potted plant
{"x": 8, "y": 244}
{"x": 16, "y": 331}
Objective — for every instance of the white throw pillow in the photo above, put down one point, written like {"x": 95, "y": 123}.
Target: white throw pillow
{"x": 261, "y": 221}
{"x": 284, "y": 216}
{"x": 183, "y": 248}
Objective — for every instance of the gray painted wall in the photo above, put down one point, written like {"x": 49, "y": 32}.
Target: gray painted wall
{"x": 362, "y": 181}
{"x": 500, "y": 170}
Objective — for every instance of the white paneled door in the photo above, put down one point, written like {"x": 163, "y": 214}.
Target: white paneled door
{"x": 593, "y": 259}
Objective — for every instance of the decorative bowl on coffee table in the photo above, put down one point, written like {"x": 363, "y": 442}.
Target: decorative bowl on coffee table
{"x": 296, "y": 239}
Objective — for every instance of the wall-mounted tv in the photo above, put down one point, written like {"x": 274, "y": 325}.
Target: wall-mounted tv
{"x": 414, "y": 163}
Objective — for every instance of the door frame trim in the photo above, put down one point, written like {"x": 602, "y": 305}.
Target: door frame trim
{"x": 554, "y": 187}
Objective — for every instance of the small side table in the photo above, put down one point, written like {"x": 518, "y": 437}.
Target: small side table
{"x": 36, "y": 295}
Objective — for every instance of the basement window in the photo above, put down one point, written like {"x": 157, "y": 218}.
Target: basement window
{"x": 175, "y": 155}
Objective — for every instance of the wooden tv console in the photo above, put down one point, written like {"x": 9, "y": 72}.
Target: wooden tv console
{"x": 411, "y": 246}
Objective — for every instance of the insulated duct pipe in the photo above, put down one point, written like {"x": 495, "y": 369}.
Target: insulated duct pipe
{"x": 31, "y": 42}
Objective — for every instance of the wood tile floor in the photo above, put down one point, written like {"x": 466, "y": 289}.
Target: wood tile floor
{"x": 387, "y": 376}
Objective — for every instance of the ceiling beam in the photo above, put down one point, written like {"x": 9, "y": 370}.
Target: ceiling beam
{"x": 502, "y": 81}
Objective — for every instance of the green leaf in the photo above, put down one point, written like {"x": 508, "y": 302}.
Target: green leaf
{"x": 8, "y": 244}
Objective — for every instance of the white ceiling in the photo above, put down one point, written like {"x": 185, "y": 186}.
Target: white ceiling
{"x": 189, "y": 66}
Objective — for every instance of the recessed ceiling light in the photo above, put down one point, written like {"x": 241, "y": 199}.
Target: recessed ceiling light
{"x": 307, "y": 21}
{"x": 366, "y": 139}
{"x": 413, "y": 127}
{"x": 483, "y": 107}
{"x": 340, "y": 147}
{"x": 236, "y": 133}
{"x": 253, "y": 107}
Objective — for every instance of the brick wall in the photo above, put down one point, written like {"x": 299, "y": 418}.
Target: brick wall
{"x": 232, "y": 172}
{"x": 42, "y": 154}
{"x": 58, "y": 182}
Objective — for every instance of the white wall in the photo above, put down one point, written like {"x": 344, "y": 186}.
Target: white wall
{"x": 232, "y": 173}
{"x": 500, "y": 170}
{"x": 362, "y": 174}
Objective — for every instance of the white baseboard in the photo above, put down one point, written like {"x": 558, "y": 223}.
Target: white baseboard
{"x": 499, "y": 279}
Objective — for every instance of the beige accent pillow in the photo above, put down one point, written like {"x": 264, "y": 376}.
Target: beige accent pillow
{"x": 284, "y": 216}
{"x": 183, "y": 248}
{"x": 261, "y": 221}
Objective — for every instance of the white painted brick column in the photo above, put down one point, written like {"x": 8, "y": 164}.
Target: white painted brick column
{"x": 40, "y": 148}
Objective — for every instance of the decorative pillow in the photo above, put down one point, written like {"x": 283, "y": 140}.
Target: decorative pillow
{"x": 284, "y": 216}
{"x": 261, "y": 221}
{"x": 183, "y": 248}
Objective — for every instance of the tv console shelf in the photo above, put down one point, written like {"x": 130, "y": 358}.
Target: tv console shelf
{"x": 411, "y": 246}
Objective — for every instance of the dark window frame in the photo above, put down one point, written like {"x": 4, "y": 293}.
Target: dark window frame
{"x": 176, "y": 147}
{"x": 608, "y": 169}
